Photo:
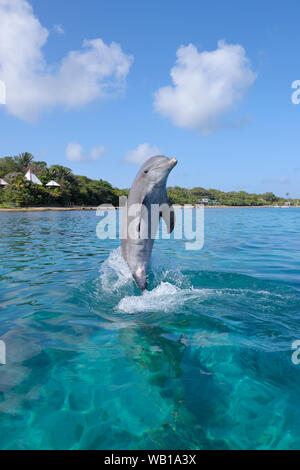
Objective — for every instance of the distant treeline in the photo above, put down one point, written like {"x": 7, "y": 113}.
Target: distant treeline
{"x": 180, "y": 196}
{"x": 80, "y": 190}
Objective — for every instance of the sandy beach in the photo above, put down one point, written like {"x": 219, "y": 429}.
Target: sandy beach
{"x": 94, "y": 208}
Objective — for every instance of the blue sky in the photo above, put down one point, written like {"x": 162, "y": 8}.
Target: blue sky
{"x": 252, "y": 144}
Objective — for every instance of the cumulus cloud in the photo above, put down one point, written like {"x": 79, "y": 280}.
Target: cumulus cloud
{"x": 95, "y": 71}
{"x": 75, "y": 153}
{"x": 141, "y": 153}
{"x": 205, "y": 85}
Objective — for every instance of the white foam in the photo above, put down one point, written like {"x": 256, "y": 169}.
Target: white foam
{"x": 164, "y": 298}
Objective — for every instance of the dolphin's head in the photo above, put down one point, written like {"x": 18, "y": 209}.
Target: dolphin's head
{"x": 140, "y": 277}
{"x": 155, "y": 170}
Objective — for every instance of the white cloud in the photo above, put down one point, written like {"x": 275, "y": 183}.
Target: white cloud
{"x": 95, "y": 71}
{"x": 205, "y": 85}
{"x": 97, "y": 152}
{"x": 143, "y": 151}
{"x": 58, "y": 29}
{"x": 2, "y": 92}
{"x": 75, "y": 153}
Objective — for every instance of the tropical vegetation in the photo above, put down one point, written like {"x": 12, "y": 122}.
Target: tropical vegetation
{"x": 82, "y": 191}
{"x": 73, "y": 190}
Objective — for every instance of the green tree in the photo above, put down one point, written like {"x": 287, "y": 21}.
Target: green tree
{"x": 23, "y": 161}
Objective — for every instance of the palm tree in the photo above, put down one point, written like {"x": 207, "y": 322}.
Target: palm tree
{"x": 23, "y": 160}
{"x": 61, "y": 173}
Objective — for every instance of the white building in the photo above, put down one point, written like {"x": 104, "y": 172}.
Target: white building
{"x": 3, "y": 183}
{"x": 53, "y": 184}
{"x": 30, "y": 176}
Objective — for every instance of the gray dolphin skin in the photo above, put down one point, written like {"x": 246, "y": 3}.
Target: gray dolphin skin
{"x": 139, "y": 228}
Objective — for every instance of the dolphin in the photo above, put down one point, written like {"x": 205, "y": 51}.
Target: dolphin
{"x": 139, "y": 228}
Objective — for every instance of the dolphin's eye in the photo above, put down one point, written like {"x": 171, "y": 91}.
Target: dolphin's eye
{"x": 146, "y": 171}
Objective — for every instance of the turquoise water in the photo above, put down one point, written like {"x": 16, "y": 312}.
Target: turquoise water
{"x": 202, "y": 360}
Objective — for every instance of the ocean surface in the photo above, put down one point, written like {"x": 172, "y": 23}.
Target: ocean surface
{"x": 202, "y": 360}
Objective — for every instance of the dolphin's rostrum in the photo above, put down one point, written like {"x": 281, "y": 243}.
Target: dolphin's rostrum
{"x": 148, "y": 193}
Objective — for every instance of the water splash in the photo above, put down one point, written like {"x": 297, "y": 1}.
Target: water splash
{"x": 163, "y": 269}
{"x": 163, "y": 298}
{"x": 168, "y": 288}
{"x": 114, "y": 272}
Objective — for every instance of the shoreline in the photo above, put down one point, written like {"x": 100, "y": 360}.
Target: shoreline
{"x": 94, "y": 208}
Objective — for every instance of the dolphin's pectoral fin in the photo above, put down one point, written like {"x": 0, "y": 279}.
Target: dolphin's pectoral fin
{"x": 168, "y": 216}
